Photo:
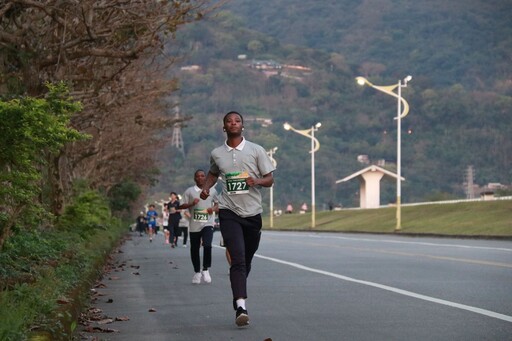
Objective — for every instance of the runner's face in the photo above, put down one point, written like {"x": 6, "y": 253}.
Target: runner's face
{"x": 199, "y": 178}
{"x": 233, "y": 124}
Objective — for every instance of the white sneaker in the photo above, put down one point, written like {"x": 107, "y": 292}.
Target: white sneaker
{"x": 184, "y": 245}
{"x": 206, "y": 276}
{"x": 197, "y": 278}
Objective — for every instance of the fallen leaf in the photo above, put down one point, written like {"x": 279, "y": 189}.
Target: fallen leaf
{"x": 135, "y": 273}
{"x": 106, "y": 321}
{"x": 100, "y": 330}
{"x": 122, "y": 318}
{"x": 113, "y": 278}
{"x": 95, "y": 310}
{"x": 152, "y": 310}
{"x": 110, "y": 300}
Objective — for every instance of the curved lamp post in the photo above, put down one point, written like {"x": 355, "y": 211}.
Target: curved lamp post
{"x": 388, "y": 89}
{"x": 315, "y": 145}
{"x": 271, "y": 153}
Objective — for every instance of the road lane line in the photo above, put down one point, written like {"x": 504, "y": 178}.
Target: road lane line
{"x": 399, "y": 253}
{"x": 396, "y": 241}
{"x": 392, "y": 289}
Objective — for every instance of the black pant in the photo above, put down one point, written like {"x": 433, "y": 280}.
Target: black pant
{"x": 174, "y": 223}
{"x": 184, "y": 230}
{"x": 242, "y": 239}
{"x": 206, "y": 235}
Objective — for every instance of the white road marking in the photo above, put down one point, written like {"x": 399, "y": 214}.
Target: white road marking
{"x": 392, "y": 289}
{"x": 321, "y": 236}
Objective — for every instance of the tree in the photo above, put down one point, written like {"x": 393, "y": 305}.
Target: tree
{"x": 108, "y": 52}
{"x": 32, "y": 129}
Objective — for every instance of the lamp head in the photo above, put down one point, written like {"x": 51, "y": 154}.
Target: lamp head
{"x": 408, "y": 78}
{"x": 361, "y": 81}
{"x": 318, "y": 125}
{"x": 287, "y": 126}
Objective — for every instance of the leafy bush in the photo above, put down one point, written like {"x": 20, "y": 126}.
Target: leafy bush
{"x": 88, "y": 211}
{"x": 25, "y": 254}
{"x": 31, "y": 129}
{"x": 123, "y": 194}
{"x": 39, "y": 267}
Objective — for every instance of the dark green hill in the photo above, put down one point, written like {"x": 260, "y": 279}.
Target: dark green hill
{"x": 448, "y": 128}
{"x": 441, "y": 42}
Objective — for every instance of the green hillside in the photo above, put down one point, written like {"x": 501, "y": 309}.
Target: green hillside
{"x": 439, "y": 42}
{"x": 451, "y": 125}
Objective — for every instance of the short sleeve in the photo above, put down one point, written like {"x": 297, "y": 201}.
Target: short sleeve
{"x": 214, "y": 168}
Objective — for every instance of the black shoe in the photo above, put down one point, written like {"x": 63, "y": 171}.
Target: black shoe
{"x": 242, "y": 318}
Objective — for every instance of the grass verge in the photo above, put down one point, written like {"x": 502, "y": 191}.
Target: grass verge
{"x": 45, "y": 278}
{"x": 482, "y": 219}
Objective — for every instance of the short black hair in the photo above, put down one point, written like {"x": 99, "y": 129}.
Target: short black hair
{"x": 199, "y": 170}
{"x": 232, "y": 112}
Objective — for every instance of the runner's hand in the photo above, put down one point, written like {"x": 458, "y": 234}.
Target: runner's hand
{"x": 205, "y": 193}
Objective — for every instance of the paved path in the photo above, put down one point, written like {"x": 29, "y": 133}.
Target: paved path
{"x": 307, "y": 286}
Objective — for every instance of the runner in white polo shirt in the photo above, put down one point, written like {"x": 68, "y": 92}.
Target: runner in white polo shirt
{"x": 200, "y": 226}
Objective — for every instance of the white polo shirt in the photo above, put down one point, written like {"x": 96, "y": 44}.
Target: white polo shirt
{"x": 199, "y": 217}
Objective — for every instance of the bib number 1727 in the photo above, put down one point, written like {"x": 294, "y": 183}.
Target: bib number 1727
{"x": 237, "y": 186}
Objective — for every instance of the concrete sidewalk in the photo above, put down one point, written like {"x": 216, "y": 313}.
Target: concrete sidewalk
{"x": 147, "y": 294}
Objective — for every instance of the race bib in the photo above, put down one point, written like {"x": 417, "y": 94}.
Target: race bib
{"x": 236, "y": 183}
{"x": 200, "y": 215}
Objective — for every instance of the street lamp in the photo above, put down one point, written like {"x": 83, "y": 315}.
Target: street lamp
{"x": 399, "y": 115}
{"x": 271, "y": 153}
{"x": 315, "y": 145}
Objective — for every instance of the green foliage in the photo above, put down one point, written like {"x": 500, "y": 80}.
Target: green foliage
{"x": 24, "y": 255}
{"x": 439, "y": 196}
{"x": 438, "y": 42}
{"x": 122, "y": 195}
{"x": 31, "y": 130}
{"x": 503, "y": 192}
{"x": 88, "y": 210}
{"x": 38, "y": 267}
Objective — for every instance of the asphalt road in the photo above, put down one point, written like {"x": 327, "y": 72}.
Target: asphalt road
{"x": 308, "y": 286}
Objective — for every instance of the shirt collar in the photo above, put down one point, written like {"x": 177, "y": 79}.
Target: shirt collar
{"x": 239, "y": 147}
{"x": 197, "y": 188}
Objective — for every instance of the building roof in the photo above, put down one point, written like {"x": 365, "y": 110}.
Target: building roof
{"x": 372, "y": 168}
